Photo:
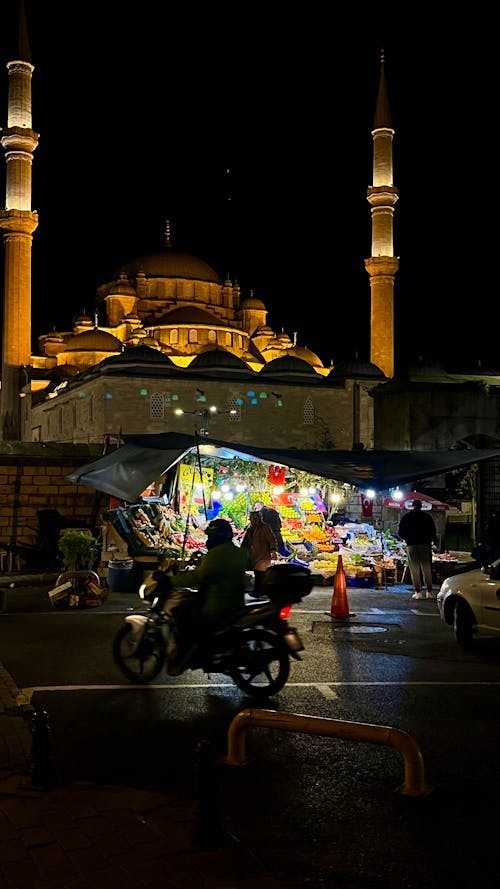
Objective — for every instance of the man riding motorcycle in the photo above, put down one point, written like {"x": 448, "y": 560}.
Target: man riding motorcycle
{"x": 219, "y": 580}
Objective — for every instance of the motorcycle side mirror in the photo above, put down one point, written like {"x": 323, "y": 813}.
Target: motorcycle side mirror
{"x": 491, "y": 571}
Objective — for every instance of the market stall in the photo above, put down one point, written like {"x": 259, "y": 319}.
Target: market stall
{"x": 154, "y": 530}
{"x": 212, "y": 478}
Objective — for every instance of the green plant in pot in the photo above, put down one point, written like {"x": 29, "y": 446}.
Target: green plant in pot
{"x": 78, "y": 550}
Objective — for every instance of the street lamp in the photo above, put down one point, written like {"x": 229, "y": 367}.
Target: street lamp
{"x": 205, "y": 413}
{"x": 204, "y": 429}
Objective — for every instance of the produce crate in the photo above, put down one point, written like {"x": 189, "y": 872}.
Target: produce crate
{"x": 360, "y": 582}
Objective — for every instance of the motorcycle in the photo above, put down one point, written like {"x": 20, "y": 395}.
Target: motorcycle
{"x": 253, "y": 647}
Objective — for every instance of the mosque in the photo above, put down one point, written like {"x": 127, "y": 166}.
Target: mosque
{"x": 173, "y": 346}
{"x": 170, "y": 339}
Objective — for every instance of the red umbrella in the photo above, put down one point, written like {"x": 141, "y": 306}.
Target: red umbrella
{"x": 406, "y": 501}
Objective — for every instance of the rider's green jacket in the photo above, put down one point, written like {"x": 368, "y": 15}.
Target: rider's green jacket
{"x": 220, "y": 579}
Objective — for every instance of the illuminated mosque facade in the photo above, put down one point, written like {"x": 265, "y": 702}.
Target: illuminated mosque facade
{"x": 169, "y": 337}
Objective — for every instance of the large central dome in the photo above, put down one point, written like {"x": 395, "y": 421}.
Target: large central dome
{"x": 170, "y": 264}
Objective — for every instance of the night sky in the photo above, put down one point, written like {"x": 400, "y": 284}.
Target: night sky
{"x": 249, "y": 127}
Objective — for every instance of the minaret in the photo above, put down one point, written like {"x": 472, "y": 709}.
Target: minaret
{"x": 18, "y": 222}
{"x": 382, "y": 265}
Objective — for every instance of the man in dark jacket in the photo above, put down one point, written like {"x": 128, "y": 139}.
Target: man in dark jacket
{"x": 418, "y": 530}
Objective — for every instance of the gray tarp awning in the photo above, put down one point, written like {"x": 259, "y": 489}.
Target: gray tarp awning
{"x": 130, "y": 469}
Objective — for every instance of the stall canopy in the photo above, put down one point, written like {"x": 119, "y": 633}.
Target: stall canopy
{"x": 130, "y": 469}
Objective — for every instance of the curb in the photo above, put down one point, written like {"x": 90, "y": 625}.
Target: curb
{"x": 16, "y": 580}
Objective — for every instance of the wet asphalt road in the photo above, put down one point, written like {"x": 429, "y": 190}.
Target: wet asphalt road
{"x": 324, "y": 811}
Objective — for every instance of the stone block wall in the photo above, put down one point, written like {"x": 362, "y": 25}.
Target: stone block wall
{"x": 32, "y": 480}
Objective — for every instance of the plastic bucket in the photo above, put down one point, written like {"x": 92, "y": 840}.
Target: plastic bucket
{"x": 122, "y": 576}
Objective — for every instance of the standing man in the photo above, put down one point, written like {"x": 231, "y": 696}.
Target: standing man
{"x": 418, "y": 530}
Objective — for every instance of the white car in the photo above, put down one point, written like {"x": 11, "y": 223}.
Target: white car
{"x": 470, "y": 603}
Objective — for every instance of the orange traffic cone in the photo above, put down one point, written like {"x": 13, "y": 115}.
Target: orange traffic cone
{"x": 339, "y": 606}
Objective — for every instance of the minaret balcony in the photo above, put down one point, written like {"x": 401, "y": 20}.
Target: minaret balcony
{"x": 16, "y": 221}
{"x": 19, "y": 139}
{"x": 382, "y": 195}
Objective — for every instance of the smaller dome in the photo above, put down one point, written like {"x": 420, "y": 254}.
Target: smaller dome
{"x": 357, "y": 369}
{"x": 83, "y": 319}
{"x": 273, "y": 344}
{"x": 93, "y": 341}
{"x": 140, "y": 354}
{"x": 217, "y": 358}
{"x": 306, "y": 355}
{"x": 284, "y": 340}
{"x": 288, "y": 365}
{"x": 123, "y": 286}
{"x": 250, "y": 302}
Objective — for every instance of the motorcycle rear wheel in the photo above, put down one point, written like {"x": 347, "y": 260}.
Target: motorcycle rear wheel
{"x": 261, "y": 667}
{"x": 139, "y": 661}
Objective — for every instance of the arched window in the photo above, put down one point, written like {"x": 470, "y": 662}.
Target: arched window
{"x": 308, "y": 412}
{"x": 235, "y": 405}
{"x": 229, "y": 338}
{"x": 174, "y": 337}
{"x": 157, "y": 406}
{"x": 193, "y": 335}
{"x": 212, "y": 336}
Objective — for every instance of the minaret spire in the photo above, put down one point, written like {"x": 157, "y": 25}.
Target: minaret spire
{"x": 168, "y": 240}
{"x": 382, "y": 265}
{"x": 18, "y": 222}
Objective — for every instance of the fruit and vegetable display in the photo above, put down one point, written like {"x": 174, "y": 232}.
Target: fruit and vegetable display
{"x": 369, "y": 557}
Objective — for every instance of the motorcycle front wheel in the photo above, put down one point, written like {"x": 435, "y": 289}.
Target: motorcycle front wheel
{"x": 262, "y": 665}
{"x": 139, "y": 660}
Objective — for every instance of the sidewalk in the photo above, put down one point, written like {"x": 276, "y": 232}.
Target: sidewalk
{"x": 86, "y": 836}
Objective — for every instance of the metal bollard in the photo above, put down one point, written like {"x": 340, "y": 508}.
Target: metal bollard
{"x": 42, "y": 771}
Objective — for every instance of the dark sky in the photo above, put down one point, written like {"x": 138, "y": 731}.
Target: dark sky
{"x": 141, "y": 115}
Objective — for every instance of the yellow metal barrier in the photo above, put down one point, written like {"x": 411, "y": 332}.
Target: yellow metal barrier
{"x": 414, "y": 784}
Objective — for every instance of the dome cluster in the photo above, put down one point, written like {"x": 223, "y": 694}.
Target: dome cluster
{"x": 175, "y": 304}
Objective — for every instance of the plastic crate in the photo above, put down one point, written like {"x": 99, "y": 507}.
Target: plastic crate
{"x": 361, "y": 582}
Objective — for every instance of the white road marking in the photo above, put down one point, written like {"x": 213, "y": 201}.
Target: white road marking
{"x": 27, "y": 693}
{"x": 385, "y": 611}
{"x": 327, "y": 691}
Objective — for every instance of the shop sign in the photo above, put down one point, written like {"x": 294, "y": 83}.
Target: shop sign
{"x": 285, "y": 499}
{"x": 406, "y": 504}
{"x": 186, "y": 475}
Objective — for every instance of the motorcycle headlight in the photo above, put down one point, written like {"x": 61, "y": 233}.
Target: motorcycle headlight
{"x": 147, "y": 591}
